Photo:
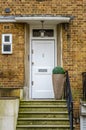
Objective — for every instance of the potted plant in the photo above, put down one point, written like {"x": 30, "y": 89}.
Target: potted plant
{"x": 58, "y": 78}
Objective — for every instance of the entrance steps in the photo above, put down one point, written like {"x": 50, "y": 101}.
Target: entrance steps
{"x": 43, "y": 115}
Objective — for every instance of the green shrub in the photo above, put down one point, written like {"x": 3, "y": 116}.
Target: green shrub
{"x": 58, "y": 70}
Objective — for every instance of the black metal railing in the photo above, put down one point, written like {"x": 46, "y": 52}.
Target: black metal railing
{"x": 84, "y": 85}
{"x": 68, "y": 97}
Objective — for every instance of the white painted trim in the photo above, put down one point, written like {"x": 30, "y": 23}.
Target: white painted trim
{"x": 61, "y": 46}
{"x": 6, "y": 52}
{"x": 7, "y": 21}
{"x": 24, "y": 19}
{"x": 47, "y": 38}
{"x": 39, "y": 18}
{"x": 6, "y": 43}
{"x": 10, "y": 38}
{"x": 30, "y": 57}
{"x": 45, "y": 27}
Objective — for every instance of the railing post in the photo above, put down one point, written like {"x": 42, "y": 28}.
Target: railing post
{"x": 84, "y": 84}
{"x": 65, "y": 89}
{"x": 68, "y": 97}
{"x": 72, "y": 115}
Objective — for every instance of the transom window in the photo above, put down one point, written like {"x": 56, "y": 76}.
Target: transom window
{"x": 47, "y": 32}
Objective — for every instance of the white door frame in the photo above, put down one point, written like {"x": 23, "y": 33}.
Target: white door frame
{"x": 54, "y": 27}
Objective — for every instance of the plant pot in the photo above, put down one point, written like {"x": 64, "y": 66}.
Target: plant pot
{"x": 58, "y": 85}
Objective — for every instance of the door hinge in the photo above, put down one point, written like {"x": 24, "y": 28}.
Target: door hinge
{"x": 32, "y": 82}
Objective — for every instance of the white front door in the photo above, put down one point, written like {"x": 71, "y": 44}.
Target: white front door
{"x": 43, "y": 61}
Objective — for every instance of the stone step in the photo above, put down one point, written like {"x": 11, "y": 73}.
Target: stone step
{"x": 48, "y": 105}
{"x": 43, "y": 115}
{"x": 43, "y": 127}
{"x": 42, "y": 108}
{"x": 41, "y": 102}
{"x": 43, "y": 121}
{"x": 24, "y": 114}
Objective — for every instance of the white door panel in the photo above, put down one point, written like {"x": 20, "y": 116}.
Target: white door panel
{"x": 42, "y": 65}
{"x": 39, "y": 89}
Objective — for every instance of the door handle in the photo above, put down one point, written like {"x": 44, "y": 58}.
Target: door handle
{"x": 32, "y": 83}
{"x": 32, "y": 63}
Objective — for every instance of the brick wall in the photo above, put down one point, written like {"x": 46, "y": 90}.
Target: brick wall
{"x": 59, "y": 7}
{"x": 74, "y": 47}
{"x": 74, "y": 60}
{"x": 12, "y": 65}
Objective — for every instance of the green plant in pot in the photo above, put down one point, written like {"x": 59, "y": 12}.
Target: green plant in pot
{"x": 58, "y": 78}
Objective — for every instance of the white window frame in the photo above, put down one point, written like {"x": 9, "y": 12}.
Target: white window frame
{"x": 6, "y": 43}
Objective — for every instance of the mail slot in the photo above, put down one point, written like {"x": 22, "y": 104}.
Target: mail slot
{"x": 42, "y": 70}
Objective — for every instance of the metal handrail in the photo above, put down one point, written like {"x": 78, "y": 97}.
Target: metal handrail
{"x": 68, "y": 97}
{"x": 84, "y": 85}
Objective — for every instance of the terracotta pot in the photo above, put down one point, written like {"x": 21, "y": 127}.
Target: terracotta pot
{"x": 58, "y": 85}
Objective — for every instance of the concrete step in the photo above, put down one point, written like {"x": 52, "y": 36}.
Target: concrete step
{"x": 43, "y": 121}
{"x": 48, "y": 105}
{"x": 43, "y": 115}
{"x": 43, "y": 107}
{"x": 43, "y": 127}
{"x": 42, "y": 102}
{"x": 62, "y": 114}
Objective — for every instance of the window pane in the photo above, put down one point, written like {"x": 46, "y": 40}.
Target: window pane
{"x": 47, "y": 32}
{"x": 7, "y": 38}
{"x": 7, "y": 48}
{"x": 36, "y": 33}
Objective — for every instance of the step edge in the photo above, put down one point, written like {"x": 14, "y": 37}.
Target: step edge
{"x": 43, "y": 100}
{"x": 59, "y": 119}
{"x": 66, "y": 112}
{"x": 59, "y": 126}
{"x": 39, "y": 106}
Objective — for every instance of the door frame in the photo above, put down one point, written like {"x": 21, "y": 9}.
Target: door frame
{"x": 54, "y": 27}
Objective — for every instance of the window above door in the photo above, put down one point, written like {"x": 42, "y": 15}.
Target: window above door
{"x": 47, "y": 32}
